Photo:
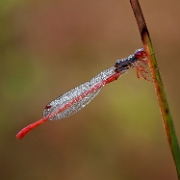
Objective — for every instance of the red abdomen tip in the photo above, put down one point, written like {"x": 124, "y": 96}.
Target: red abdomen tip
{"x": 22, "y": 133}
{"x": 28, "y": 128}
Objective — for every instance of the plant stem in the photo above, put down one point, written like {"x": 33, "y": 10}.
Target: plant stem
{"x": 158, "y": 83}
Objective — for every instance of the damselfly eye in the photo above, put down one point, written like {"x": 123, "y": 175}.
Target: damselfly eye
{"x": 140, "y": 54}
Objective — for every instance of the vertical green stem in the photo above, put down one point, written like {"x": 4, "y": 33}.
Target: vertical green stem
{"x": 159, "y": 87}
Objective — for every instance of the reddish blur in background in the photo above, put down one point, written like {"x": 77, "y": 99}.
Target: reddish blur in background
{"x": 49, "y": 47}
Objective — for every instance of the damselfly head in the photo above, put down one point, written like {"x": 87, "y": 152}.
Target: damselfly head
{"x": 140, "y": 54}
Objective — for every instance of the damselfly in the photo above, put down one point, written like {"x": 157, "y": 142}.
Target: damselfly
{"x": 77, "y": 98}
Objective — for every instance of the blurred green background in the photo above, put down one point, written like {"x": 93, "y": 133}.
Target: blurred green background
{"x": 48, "y": 47}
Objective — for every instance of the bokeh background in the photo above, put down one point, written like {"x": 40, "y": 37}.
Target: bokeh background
{"x": 47, "y": 48}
